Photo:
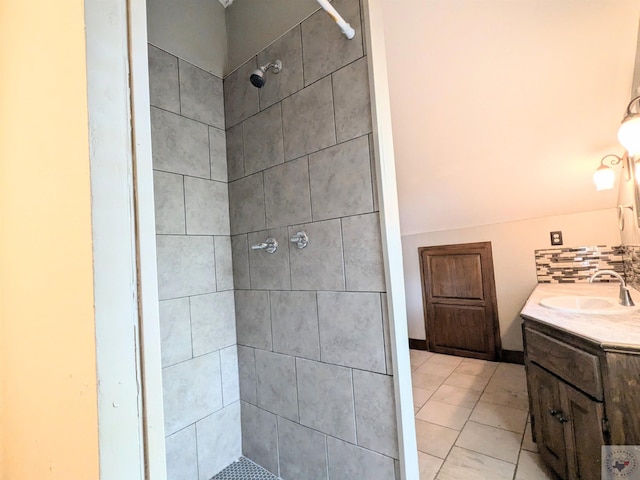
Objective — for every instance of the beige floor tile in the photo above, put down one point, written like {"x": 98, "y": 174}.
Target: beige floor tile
{"x": 491, "y": 441}
{"x": 446, "y": 359}
{"x": 456, "y": 396}
{"x": 420, "y": 396}
{"x": 530, "y": 467}
{"x": 434, "y": 368}
{"x": 429, "y": 466}
{"x": 485, "y": 369}
{"x": 510, "y": 383}
{"x": 444, "y": 414}
{"x": 435, "y": 439}
{"x": 527, "y": 441}
{"x": 426, "y": 381}
{"x": 505, "y": 397}
{"x": 509, "y": 369}
{"x": 499, "y": 416}
{"x": 463, "y": 464}
{"x": 471, "y": 382}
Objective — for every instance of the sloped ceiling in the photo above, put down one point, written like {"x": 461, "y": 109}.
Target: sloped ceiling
{"x": 502, "y": 109}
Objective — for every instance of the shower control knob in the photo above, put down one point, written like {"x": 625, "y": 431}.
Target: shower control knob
{"x": 301, "y": 240}
{"x": 270, "y": 245}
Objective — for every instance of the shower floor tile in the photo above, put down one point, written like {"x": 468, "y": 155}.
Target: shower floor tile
{"x": 244, "y": 469}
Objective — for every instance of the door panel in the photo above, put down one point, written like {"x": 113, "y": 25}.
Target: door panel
{"x": 461, "y": 314}
{"x": 549, "y": 430}
{"x": 460, "y": 327}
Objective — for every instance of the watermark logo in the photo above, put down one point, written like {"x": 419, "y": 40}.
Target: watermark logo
{"x": 621, "y": 462}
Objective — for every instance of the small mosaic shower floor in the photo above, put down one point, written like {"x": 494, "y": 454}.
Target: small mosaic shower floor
{"x": 244, "y": 469}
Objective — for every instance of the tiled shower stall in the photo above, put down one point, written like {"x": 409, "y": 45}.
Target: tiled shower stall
{"x": 283, "y": 358}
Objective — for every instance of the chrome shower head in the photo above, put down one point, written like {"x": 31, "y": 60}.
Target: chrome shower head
{"x": 257, "y": 76}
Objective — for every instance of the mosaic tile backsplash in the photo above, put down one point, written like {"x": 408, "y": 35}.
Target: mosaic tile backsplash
{"x": 577, "y": 264}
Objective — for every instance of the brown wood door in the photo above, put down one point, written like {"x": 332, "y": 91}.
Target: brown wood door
{"x": 583, "y": 434}
{"x": 546, "y": 405}
{"x": 459, "y": 293}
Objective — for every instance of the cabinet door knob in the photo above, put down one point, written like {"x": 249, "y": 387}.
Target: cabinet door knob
{"x": 558, "y": 415}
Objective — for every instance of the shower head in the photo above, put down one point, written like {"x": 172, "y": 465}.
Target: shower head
{"x": 257, "y": 76}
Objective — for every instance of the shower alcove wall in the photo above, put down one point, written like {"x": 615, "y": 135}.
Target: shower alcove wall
{"x": 282, "y": 358}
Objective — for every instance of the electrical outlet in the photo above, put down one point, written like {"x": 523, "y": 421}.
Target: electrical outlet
{"x": 556, "y": 238}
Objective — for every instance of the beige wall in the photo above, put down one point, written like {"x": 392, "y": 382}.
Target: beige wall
{"x": 194, "y": 30}
{"x": 252, "y": 25}
{"x": 513, "y": 245}
{"x": 49, "y": 400}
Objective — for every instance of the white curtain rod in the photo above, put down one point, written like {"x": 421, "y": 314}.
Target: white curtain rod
{"x": 347, "y": 29}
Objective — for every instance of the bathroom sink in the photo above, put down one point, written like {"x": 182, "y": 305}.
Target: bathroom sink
{"x": 586, "y": 304}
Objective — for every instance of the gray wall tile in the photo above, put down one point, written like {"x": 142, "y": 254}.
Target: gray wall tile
{"x": 235, "y": 153}
{"x": 270, "y": 271}
{"x": 201, "y": 95}
{"x": 352, "y": 100}
{"x": 374, "y": 174}
{"x": 260, "y": 437}
{"x": 191, "y": 391}
{"x": 230, "y": 375}
{"x": 351, "y": 330}
{"x": 349, "y": 461}
{"x": 179, "y": 145}
{"x": 325, "y": 396}
{"x": 287, "y": 48}
{"x": 212, "y": 322}
{"x": 207, "y": 205}
{"x": 307, "y": 120}
{"x": 246, "y": 204}
{"x": 294, "y": 316}
{"x": 163, "y": 80}
{"x": 247, "y": 373}
{"x": 363, "y": 262}
{"x": 375, "y": 412}
{"x": 325, "y": 47}
{"x": 186, "y": 266}
{"x": 175, "y": 331}
{"x": 224, "y": 264}
{"x": 319, "y": 266}
{"x": 253, "y": 319}
{"x": 277, "y": 391}
{"x": 287, "y": 195}
{"x": 218, "y": 154}
{"x": 341, "y": 180}
{"x": 181, "y": 454}
{"x": 219, "y": 441}
{"x": 303, "y": 452}
{"x": 262, "y": 138}
{"x": 240, "y": 97}
{"x": 168, "y": 192}
{"x": 240, "y": 254}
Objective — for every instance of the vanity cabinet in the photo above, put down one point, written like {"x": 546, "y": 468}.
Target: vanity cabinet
{"x": 582, "y": 395}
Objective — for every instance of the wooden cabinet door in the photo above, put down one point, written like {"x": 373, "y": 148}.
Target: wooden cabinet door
{"x": 461, "y": 314}
{"x": 545, "y": 394}
{"x": 583, "y": 434}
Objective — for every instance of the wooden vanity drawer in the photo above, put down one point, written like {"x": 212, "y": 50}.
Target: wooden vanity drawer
{"x": 575, "y": 366}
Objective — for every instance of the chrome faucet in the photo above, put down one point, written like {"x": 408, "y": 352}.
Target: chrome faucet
{"x": 625, "y": 297}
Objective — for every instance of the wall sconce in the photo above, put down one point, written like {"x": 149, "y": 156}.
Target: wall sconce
{"x": 629, "y": 131}
{"x": 604, "y": 177}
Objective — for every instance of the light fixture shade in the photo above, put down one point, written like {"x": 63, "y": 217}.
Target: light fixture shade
{"x": 604, "y": 178}
{"x": 629, "y": 134}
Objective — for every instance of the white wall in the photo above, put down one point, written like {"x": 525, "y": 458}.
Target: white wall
{"x": 513, "y": 245}
{"x": 503, "y": 109}
{"x": 194, "y": 30}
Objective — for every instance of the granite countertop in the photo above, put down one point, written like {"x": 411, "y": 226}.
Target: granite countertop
{"x": 614, "y": 331}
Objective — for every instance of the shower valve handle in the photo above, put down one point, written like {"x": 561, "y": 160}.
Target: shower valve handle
{"x": 270, "y": 245}
{"x": 300, "y": 240}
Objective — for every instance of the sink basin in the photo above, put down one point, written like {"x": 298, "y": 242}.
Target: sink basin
{"x": 586, "y": 304}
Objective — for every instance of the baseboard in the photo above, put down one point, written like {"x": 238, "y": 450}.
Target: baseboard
{"x": 416, "y": 344}
{"x": 513, "y": 356}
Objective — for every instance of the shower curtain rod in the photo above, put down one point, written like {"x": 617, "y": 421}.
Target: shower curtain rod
{"x": 347, "y": 29}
